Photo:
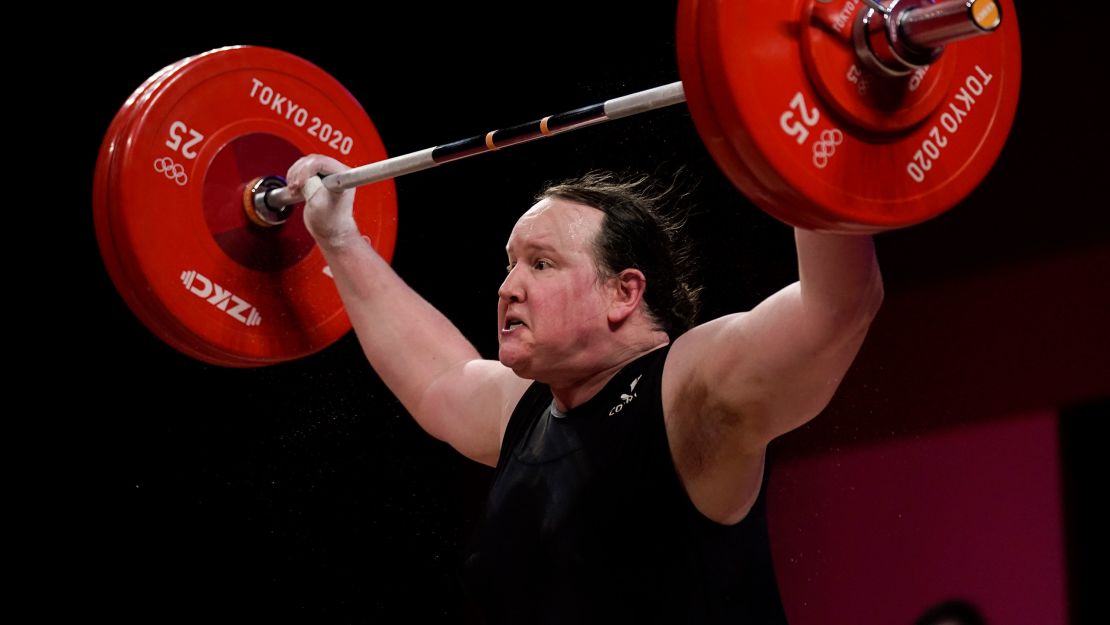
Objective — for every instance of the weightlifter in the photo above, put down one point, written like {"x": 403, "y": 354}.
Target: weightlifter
{"x": 629, "y": 443}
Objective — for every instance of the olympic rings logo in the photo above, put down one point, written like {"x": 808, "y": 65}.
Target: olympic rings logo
{"x": 824, "y": 149}
{"x": 173, "y": 171}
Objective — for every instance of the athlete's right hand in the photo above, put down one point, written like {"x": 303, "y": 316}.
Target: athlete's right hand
{"x": 328, "y": 215}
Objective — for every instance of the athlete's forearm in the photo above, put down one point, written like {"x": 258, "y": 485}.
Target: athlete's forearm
{"x": 407, "y": 341}
{"x": 839, "y": 276}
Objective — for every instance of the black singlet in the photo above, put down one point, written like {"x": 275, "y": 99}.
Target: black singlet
{"x": 587, "y": 522}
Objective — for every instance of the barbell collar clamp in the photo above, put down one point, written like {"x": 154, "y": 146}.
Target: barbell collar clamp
{"x": 906, "y": 35}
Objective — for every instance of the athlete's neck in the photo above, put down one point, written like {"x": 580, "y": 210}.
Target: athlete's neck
{"x": 576, "y": 392}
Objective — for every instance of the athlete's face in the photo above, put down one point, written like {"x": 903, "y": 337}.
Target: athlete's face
{"x": 552, "y": 304}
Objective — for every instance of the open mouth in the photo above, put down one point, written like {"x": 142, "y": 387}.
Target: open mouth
{"x": 512, "y": 323}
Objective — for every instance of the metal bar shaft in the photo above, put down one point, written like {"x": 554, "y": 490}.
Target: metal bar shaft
{"x": 616, "y": 108}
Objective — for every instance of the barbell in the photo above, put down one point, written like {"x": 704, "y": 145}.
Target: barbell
{"x": 836, "y": 115}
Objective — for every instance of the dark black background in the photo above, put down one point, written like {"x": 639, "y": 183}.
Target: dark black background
{"x": 303, "y": 492}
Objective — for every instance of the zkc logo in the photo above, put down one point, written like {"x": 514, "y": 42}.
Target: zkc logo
{"x": 221, "y": 298}
{"x": 626, "y": 398}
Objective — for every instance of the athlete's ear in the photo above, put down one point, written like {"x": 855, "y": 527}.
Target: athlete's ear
{"x": 626, "y": 293}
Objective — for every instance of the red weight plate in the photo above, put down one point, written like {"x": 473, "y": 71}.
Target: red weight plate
{"x": 105, "y": 186}
{"x": 820, "y": 166}
{"x": 214, "y": 285}
{"x": 108, "y": 148}
{"x": 128, "y": 279}
{"x": 125, "y": 275}
{"x": 697, "y": 99}
{"x": 704, "y": 116}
